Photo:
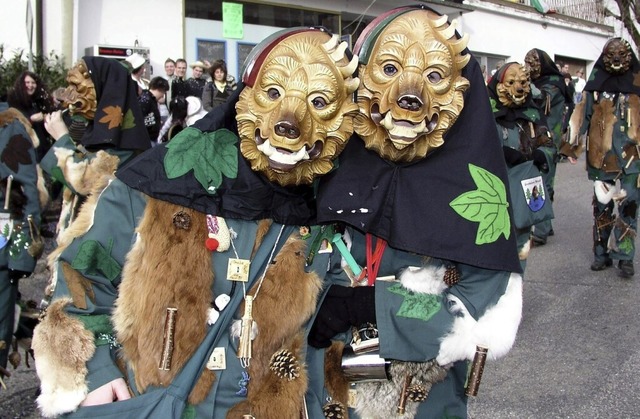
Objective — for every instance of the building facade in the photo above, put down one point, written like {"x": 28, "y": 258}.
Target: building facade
{"x": 500, "y": 30}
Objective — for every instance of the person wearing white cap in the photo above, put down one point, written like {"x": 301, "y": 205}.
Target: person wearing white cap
{"x": 197, "y": 81}
{"x": 137, "y": 61}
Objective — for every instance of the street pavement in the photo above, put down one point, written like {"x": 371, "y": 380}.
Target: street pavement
{"x": 577, "y": 352}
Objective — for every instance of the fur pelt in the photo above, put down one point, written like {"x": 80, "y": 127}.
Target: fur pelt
{"x": 286, "y": 301}
{"x": 379, "y": 399}
{"x": 62, "y": 347}
{"x": 167, "y": 267}
{"x": 600, "y": 133}
{"x": 496, "y": 329}
{"x": 10, "y": 115}
{"x": 101, "y": 170}
{"x": 336, "y": 382}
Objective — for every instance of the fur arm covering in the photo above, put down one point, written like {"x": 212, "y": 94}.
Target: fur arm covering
{"x": 496, "y": 329}
{"x": 62, "y": 347}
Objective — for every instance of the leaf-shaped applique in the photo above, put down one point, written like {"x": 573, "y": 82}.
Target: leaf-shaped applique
{"x": 487, "y": 206}
{"x": 129, "y": 121}
{"x": 92, "y": 258}
{"x": 210, "y": 155}
{"x": 532, "y": 113}
{"x": 494, "y": 105}
{"x": 16, "y": 152}
{"x": 113, "y": 116}
{"x": 626, "y": 245}
{"x": 416, "y": 305}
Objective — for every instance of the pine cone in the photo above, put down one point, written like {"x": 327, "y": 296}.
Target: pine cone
{"x": 182, "y": 220}
{"x": 334, "y": 410}
{"x": 417, "y": 393}
{"x": 285, "y": 365}
{"x": 451, "y": 276}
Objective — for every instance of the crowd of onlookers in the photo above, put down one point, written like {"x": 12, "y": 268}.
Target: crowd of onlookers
{"x": 173, "y": 101}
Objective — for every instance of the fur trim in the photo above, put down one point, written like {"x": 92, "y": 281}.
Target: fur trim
{"x": 166, "y": 267}
{"x": 600, "y": 139}
{"x": 104, "y": 173}
{"x": 380, "y": 399}
{"x": 286, "y": 301}
{"x": 83, "y": 175}
{"x": 523, "y": 253}
{"x": 62, "y": 347}
{"x": 425, "y": 280}
{"x": 336, "y": 382}
{"x": 496, "y": 329}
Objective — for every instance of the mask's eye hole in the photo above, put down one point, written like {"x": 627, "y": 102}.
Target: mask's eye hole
{"x": 273, "y": 93}
{"x": 434, "y": 77}
{"x": 390, "y": 69}
{"x": 319, "y": 103}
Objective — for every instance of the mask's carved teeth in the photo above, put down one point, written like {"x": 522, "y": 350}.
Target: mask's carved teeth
{"x": 403, "y": 132}
{"x": 282, "y": 159}
{"x": 259, "y": 139}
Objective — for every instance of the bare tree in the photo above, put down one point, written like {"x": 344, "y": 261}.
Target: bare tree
{"x": 629, "y": 14}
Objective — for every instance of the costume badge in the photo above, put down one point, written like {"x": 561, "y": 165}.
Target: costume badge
{"x": 533, "y": 190}
{"x": 217, "y": 360}
{"x": 238, "y": 270}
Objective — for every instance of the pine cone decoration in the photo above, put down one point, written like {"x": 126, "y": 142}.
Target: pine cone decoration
{"x": 334, "y": 410}
{"x": 417, "y": 393}
{"x": 182, "y": 220}
{"x": 285, "y": 365}
{"x": 451, "y": 275}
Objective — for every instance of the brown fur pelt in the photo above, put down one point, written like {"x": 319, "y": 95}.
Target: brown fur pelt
{"x": 335, "y": 381}
{"x": 102, "y": 170}
{"x": 167, "y": 267}
{"x": 600, "y": 132}
{"x": 62, "y": 347}
{"x": 634, "y": 118}
{"x": 380, "y": 399}
{"x": 286, "y": 301}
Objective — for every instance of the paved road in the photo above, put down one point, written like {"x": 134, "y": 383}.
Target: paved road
{"x": 577, "y": 353}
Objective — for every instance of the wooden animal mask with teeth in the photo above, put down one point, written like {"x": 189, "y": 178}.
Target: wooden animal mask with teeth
{"x": 296, "y": 112}
{"x": 412, "y": 84}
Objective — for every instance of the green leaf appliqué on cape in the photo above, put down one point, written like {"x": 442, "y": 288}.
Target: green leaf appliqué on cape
{"x": 210, "y": 155}
{"x": 487, "y": 206}
{"x": 416, "y": 305}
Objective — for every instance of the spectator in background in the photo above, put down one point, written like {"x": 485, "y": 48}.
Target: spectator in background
{"x": 578, "y": 82}
{"x": 217, "y": 91}
{"x": 31, "y": 97}
{"x": 137, "y": 61}
{"x": 170, "y": 75}
{"x": 179, "y": 86}
{"x": 169, "y": 69}
{"x": 149, "y": 104}
{"x": 197, "y": 80}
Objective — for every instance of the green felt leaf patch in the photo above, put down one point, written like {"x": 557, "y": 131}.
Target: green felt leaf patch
{"x": 417, "y": 305}
{"x": 487, "y": 205}
{"x": 210, "y": 155}
{"x": 92, "y": 258}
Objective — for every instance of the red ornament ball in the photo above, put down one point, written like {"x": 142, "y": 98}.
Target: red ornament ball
{"x": 212, "y": 244}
